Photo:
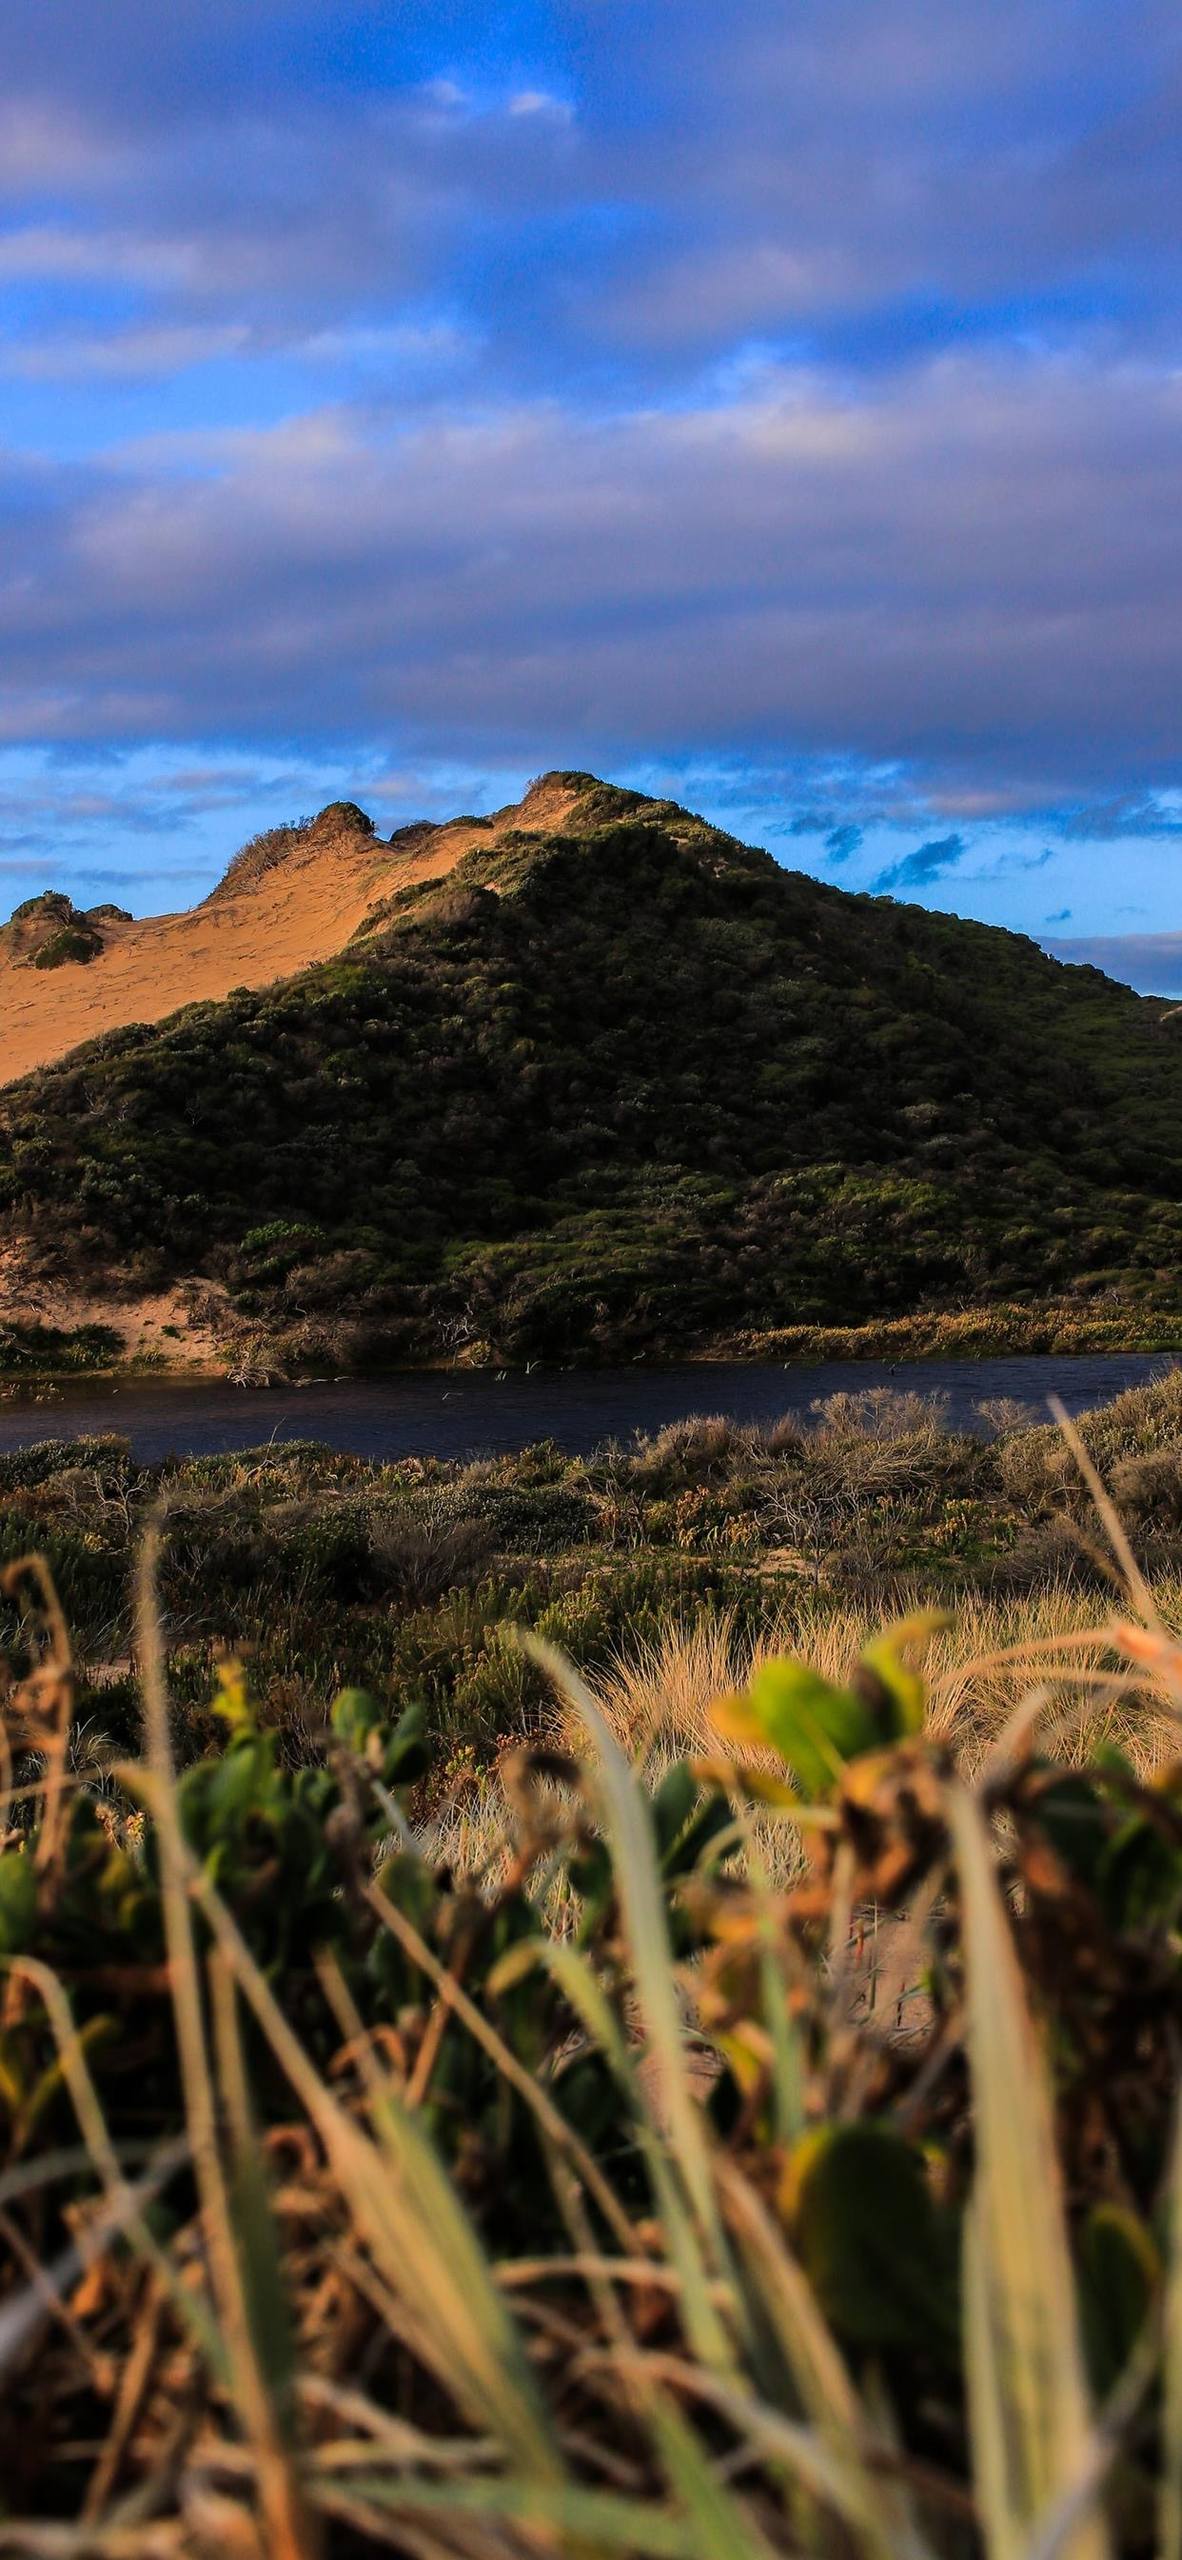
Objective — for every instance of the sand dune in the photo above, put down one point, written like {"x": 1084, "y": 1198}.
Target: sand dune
{"x": 281, "y": 906}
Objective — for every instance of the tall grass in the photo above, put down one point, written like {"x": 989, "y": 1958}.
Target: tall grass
{"x": 658, "y": 1697}
{"x": 316, "y": 2351}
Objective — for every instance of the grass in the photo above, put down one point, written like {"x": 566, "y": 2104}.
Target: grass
{"x": 287, "y": 2307}
{"x": 33, "y": 1353}
{"x": 410, "y": 1578}
{"x": 613, "y": 2304}
{"x": 658, "y": 1699}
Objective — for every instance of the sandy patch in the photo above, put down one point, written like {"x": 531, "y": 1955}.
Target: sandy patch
{"x": 250, "y": 932}
{"x": 189, "y": 1324}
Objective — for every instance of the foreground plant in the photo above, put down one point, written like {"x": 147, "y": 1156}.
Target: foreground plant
{"x": 615, "y": 2198}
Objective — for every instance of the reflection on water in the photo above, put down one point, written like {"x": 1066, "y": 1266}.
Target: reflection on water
{"x": 478, "y": 1413}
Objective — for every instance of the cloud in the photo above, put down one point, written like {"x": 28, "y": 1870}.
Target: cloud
{"x": 810, "y": 396}
{"x": 46, "y": 252}
{"x": 47, "y": 145}
{"x": 445, "y": 96}
{"x": 1062, "y": 915}
{"x": 540, "y": 102}
{"x": 954, "y": 575}
{"x": 921, "y": 869}
{"x": 920, "y": 170}
{"x": 1151, "y": 962}
{"x": 138, "y": 353}
{"x": 857, "y": 183}
{"x": 151, "y": 352}
{"x": 1128, "y": 814}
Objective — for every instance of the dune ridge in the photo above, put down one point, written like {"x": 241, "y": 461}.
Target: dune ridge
{"x": 286, "y": 901}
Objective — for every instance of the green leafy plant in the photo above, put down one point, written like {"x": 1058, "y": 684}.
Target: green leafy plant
{"x": 614, "y": 2198}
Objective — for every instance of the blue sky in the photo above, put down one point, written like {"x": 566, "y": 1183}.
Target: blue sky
{"x": 778, "y": 406}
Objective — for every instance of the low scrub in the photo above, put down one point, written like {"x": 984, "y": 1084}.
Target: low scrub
{"x": 29, "y": 1351}
{"x": 620, "y": 2192}
{"x": 327, "y": 1571}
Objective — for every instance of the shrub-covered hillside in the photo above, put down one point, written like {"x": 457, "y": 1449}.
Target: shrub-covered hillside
{"x": 629, "y": 1089}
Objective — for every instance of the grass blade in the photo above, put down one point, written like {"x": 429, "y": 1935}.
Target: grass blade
{"x": 679, "y": 2152}
{"x": 291, "y": 2530}
{"x": 639, "y": 1889}
{"x": 1029, "y": 2413}
{"x": 722, "y": 2531}
{"x": 820, "y": 2378}
{"x": 416, "y": 2227}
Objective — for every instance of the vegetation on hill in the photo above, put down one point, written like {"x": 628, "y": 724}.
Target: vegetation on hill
{"x": 268, "y": 851}
{"x": 624, "y": 1091}
{"x": 775, "y": 2156}
{"x": 47, "y": 931}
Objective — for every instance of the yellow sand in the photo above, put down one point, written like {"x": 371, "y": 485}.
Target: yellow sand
{"x": 249, "y": 933}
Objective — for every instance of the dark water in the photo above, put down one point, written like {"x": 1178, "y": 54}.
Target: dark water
{"x": 433, "y": 1414}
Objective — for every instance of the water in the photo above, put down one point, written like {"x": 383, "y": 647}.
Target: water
{"x": 476, "y": 1413}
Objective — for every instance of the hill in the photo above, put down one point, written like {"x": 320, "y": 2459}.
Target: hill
{"x": 592, "y": 1079}
{"x": 291, "y": 897}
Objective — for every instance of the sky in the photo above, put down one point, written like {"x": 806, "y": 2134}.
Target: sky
{"x": 775, "y": 406}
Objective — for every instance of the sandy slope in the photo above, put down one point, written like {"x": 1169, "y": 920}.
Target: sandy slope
{"x": 189, "y": 1323}
{"x": 260, "y": 924}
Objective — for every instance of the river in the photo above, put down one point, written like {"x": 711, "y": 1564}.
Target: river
{"x": 471, "y": 1413}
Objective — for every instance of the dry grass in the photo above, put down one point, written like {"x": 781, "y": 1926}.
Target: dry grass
{"x": 1051, "y": 1652}
{"x": 488, "y": 2418}
{"x": 686, "y": 2396}
{"x": 658, "y": 1700}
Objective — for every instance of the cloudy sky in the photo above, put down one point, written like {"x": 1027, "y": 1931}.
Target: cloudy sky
{"x": 776, "y": 405}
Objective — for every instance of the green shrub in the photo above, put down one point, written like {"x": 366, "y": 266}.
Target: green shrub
{"x": 76, "y": 943}
{"x": 598, "y": 2196}
{"x": 588, "y": 1098}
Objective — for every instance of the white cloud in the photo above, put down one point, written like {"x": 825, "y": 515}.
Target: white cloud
{"x": 789, "y": 526}
{"x": 46, "y": 145}
{"x": 541, "y": 102}
{"x": 164, "y": 350}
{"x": 444, "y": 95}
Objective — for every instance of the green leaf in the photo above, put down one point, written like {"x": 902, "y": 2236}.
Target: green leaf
{"x": 354, "y": 1715}
{"x": 1120, "y": 2277}
{"x": 18, "y": 1901}
{"x": 408, "y": 1751}
{"x": 674, "y": 1804}
{"x": 686, "y": 1818}
{"x": 814, "y": 1727}
{"x": 896, "y": 1693}
{"x": 870, "y": 2241}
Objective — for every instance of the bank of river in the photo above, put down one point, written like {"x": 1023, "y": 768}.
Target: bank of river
{"x": 462, "y": 1414}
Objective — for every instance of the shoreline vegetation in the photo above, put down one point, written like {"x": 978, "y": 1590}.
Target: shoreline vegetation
{"x": 682, "y": 2060}
{"x": 412, "y": 1577}
{"x": 35, "y": 1356}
